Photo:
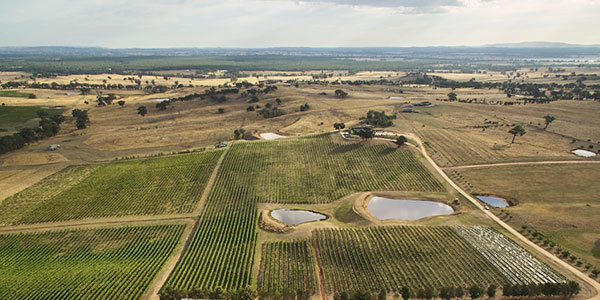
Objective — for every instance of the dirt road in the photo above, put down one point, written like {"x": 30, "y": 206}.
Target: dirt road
{"x": 525, "y": 163}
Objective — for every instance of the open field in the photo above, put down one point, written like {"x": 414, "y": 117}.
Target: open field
{"x": 102, "y": 263}
{"x": 287, "y": 265}
{"x": 556, "y": 200}
{"x": 9, "y": 93}
{"x": 163, "y": 185}
{"x": 454, "y": 134}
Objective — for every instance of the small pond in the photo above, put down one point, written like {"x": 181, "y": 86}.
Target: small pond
{"x": 393, "y": 209}
{"x": 493, "y": 201}
{"x": 296, "y": 216}
{"x": 271, "y": 136}
{"x": 583, "y": 153}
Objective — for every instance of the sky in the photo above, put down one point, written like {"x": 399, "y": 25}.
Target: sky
{"x": 295, "y": 23}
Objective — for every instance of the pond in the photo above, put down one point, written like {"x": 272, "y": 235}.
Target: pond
{"x": 583, "y": 153}
{"x": 271, "y": 136}
{"x": 296, "y": 216}
{"x": 493, "y": 201}
{"x": 393, "y": 209}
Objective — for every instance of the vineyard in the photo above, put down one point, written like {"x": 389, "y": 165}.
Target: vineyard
{"x": 316, "y": 169}
{"x": 287, "y": 265}
{"x": 165, "y": 185}
{"x": 391, "y": 257}
{"x": 103, "y": 263}
{"x": 222, "y": 250}
{"x": 513, "y": 261}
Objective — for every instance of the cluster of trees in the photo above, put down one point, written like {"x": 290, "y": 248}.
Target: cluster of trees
{"x": 271, "y": 112}
{"x": 81, "y": 118}
{"x": 238, "y": 134}
{"x": 380, "y": 119}
{"x": 341, "y": 93}
{"x": 304, "y": 107}
{"x": 365, "y": 133}
{"x": 48, "y": 126}
{"x": 106, "y": 100}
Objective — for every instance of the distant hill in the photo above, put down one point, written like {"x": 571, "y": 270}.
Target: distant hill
{"x": 541, "y": 45}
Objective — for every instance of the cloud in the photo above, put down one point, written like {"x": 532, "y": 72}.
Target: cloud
{"x": 271, "y": 23}
{"x": 392, "y": 3}
{"x": 397, "y": 6}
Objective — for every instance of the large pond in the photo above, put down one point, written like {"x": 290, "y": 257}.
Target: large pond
{"x": 393, "y": 209}
{"x": 493, "y": 201}
{"x": 583, "y": 153}
{"x": 296, "y": 216}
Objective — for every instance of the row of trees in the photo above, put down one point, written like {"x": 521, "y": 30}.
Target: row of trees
{"x": 564, "y": 290}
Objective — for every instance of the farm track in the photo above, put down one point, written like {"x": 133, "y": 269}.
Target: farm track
{"x": 522, "y": 163}
{"x": 129, "y": 220}
{"x": 319, "y": 265}
{"x": 211, "y": 182}
{"x": 165, "y": 273}
{"x": 594, "y": 284}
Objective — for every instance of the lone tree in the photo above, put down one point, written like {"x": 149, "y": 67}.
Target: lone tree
{"x": 339, "y": 126}
{"x": 491, "y": 291}
{"x": 548, "y": 119}
{"x": 382, "y": 295}
{"x": 340, "y": 93}
{"x": 517, "y": 130}
{"x": 142, "y": 110}
{"x": 121, "y": 103}
{"x": 221, "y": 110}
{"x": 401, "y": 140}
{"x": 475, "y": 292}
{"x": 405, "y": 292}
{"x": 452, "y": 96}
